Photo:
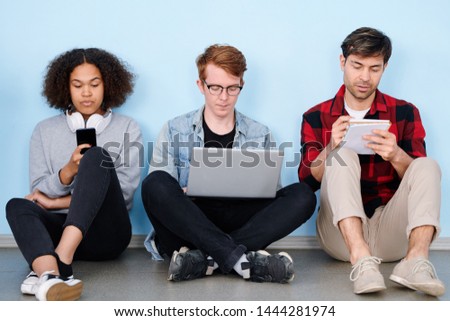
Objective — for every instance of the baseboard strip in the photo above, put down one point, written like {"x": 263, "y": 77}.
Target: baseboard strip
{"x": 289, "y": 242}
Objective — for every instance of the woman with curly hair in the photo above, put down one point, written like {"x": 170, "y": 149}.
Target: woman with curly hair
{"x": 78, "y": 207}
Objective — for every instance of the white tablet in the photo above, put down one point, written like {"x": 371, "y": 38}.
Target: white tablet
{"x": 357, "y": 128}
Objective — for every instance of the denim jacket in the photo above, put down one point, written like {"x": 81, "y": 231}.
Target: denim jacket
{"x": 177, "y": 138}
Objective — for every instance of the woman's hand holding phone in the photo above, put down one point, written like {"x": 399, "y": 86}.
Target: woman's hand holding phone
{"x": 68, "y": 172}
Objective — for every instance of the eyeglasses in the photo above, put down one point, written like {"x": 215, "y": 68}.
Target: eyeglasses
{"x": 216, "y": 90}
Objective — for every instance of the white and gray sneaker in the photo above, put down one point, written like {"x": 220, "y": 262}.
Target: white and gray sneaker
{"x": 265, "y": 267}
{"x": 28, "y": 285}
{"x": 52, "y": 287}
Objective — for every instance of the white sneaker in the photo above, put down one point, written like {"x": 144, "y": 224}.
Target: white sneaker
{"x": 52, "y": 287}
{"x": 28, "y": 285}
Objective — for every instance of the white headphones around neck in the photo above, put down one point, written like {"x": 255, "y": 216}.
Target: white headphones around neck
{"x": 76, "y": 121}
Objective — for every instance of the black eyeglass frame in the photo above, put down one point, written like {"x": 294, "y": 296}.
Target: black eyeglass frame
{"x": 222, "y": 88}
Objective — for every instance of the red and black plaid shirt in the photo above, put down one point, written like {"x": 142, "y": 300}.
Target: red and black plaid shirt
{"x": 379, "y": 180}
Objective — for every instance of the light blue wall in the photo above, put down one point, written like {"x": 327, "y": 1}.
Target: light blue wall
{"x": 292, "y": 49}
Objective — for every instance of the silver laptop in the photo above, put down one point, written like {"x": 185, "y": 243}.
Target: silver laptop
{"x": 224, "y": 172}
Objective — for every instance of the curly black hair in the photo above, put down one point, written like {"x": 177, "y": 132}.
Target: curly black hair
{"x": 117, "y": 79}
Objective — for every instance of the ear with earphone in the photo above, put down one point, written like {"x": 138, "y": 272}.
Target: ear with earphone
{"x": 76, "y": 121}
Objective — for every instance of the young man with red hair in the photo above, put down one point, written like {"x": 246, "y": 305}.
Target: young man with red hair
{"x": 202, "y": 233}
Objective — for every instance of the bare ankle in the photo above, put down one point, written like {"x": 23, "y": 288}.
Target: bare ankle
{"x": 358, "y": 254}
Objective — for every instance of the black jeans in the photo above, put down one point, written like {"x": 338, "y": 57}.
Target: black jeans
{"x": 97, "y": 208}
{"x": 222, "y": 228}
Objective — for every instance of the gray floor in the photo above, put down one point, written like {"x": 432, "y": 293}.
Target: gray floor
{"x": 134, "y": 276}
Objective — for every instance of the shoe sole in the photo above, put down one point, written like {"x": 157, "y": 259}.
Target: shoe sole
{"x": 428, "y": 288}
{"x": 65, "y": 292}
{"x": 371, "y": 289}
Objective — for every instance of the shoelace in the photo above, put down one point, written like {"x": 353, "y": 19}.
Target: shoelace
{"x": 423, "y": 265}
{"x": 44, "y": 276}
{"x": 363, "y": 265}
{"x": 32, "y": 274}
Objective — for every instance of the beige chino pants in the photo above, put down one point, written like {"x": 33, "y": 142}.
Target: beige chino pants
{"x": 415, "y": 203}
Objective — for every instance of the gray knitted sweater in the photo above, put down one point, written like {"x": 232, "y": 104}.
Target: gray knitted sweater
{"x": 53, "y": 143}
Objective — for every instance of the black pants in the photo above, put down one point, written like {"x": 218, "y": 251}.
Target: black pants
{"x": 222, "y": 228}
{"x": 97, "y": 208}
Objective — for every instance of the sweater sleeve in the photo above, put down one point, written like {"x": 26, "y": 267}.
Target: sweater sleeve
{"x": 42, "y": 176}
{"x": 129, "y": 167}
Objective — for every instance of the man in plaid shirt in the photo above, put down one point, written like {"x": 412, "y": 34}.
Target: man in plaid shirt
{"x": 381, "y": 206}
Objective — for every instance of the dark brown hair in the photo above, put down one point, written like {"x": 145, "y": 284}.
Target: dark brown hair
{"x": 367, "y": 42}
{"x": 226, "y": 57}
{"x": 117, "y": 80}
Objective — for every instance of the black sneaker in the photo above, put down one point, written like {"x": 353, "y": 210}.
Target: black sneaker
{"x": 189, "y": 265}
{"x": 263, "y": 267}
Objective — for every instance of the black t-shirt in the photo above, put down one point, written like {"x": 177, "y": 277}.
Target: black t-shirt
{"x": 220, "y": 141}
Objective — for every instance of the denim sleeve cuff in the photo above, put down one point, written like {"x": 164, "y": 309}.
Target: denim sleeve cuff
{"x": 150, "y": 245}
